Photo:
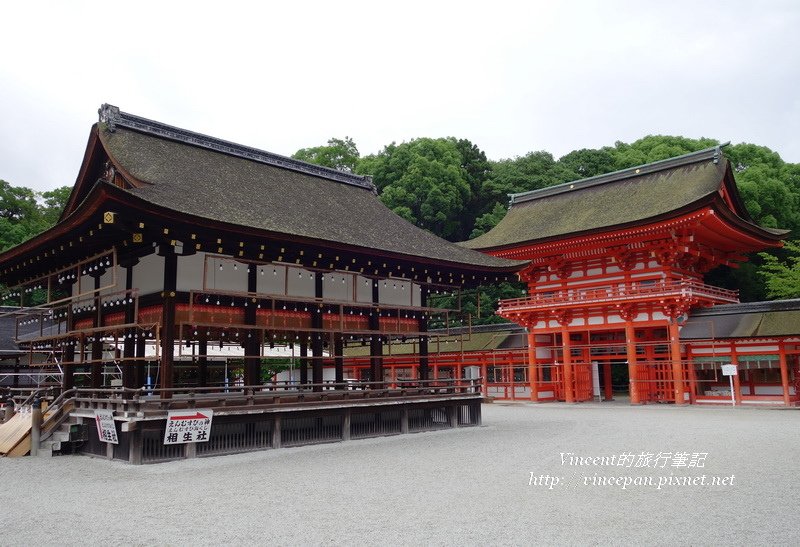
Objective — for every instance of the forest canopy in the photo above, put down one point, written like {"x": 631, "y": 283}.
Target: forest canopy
{"x": 449, "y": 187}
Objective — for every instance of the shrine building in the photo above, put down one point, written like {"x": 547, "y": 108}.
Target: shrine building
{"x": 615, "y": 289}
{"x": 175, "y": 244}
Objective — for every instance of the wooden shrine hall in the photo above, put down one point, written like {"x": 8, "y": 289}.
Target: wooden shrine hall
{"x": 174, "y": 246}
{"x": 616, "y": 268}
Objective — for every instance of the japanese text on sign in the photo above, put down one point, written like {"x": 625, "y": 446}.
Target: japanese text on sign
{"x": 106, "y": 430}
{"x": 188, "y": 426}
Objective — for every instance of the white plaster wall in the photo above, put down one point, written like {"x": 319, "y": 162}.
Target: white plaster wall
{"x": 190, "y": 272}
{"x": 108, "y": 280}
{"x": 225, "y": 274}
{"x": 394, "y": 291}
{"x": 148, "y": 274}
{"x": 338, "y": 286}
{"x": 273, "y": 281}
{"x": 364, "y": 289}
{"x": 757, "y": 349}
{"x": 300, "y": 282}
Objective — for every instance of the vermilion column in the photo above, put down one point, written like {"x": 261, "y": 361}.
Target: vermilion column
{"x": 784, "y": 373}
{"x": 608, "y": 388}
{"x": 630, "y": 347}
{"x": 533, "y": 373}
{"x": 737, "y": 385}
{"x": 677, "y": 367}
{"x": 692, "y": 377}
{"x": 569, "y": 392}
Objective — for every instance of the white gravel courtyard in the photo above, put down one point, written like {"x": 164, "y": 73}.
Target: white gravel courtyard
{"x": 494, "y": 484}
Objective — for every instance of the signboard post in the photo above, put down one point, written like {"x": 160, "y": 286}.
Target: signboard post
{"x": 188, "y": 426}
{"x": 106, "y": 430}
{"x": 730, "y": 371}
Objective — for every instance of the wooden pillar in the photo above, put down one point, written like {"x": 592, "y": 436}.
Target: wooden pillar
{"x": 202, "y": 359}
{"x": 569, "y": 392}
{"x": 68, "y": 357}
{"x": 737, "y": 383}
{"x": 424, "y": 362}
{"x": 338, "y": 358}
{"x": 751, "y": 382}
{"x": 303, "y": 360}
{"x": 252, "y": 342}
{"x": 97, "y": 342}
{"x": 633, "y": 368}
{"x": 608, "y": 387}
{"x": 484, "y": 378}
{"x": 168, "y": 317}
{"x": 375, "y": 344}
{"x": 677, "y": 365}
{"x": 15, "y": 382}
{"x": 784, "y": 372}
{"x": 316, "y": 337}
{"x": 533, "y": 372}
{"x": 513, "y": 388}
{"x": 141, "y": 366}
{"x": 129, "y": 345}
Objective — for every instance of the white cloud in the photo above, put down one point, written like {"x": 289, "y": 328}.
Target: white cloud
{"x": 510, "y": 76}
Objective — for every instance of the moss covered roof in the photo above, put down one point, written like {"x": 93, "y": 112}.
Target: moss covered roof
{"x": 747, "y": 320}
{"x": 192, "y": 174}
{"x": 619, "y": 199}
{"x": 475, "y": 341}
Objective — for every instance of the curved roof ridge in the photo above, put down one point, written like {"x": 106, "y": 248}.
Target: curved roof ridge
{"x": 112, "y": 116}
{"x": 713, "y": 153}
{"x": 791, "y": 304}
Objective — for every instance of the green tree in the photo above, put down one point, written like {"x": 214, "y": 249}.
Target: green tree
{"x": 489, "y": 220}
{"x": 782, "y": 276}
{"x": 656, "y": 147}
{"x": 532, "y": 171}
{"x": 589, "y": 162}
{"x": 341, "y": 154}
{"x": 425, "y": 182}
{"x": 53, "y": 203}
{"x": 25, "y": 213}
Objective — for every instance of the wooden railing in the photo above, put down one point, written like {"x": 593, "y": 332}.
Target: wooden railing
{"x": 153, "y": 402}
{"x": 616, "y": 294}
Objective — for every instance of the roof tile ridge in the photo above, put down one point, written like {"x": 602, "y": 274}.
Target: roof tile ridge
{"x": 113, "y": 117}
{"x": 713, "y": 153}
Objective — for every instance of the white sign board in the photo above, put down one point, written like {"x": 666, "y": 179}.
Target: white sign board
{"x": 188, "y": 426}
{"x": 596, "y": 379}
{"x": 106, "y": 430}
{"x": 729, "y": 370}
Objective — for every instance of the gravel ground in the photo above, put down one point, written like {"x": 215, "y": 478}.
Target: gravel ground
{"x": 466, "y": 486}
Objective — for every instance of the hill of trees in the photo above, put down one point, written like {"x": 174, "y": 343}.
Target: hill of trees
{"x": 449, "y": 187}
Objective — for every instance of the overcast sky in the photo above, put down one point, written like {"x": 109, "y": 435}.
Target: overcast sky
{"x": 510, "y": 76}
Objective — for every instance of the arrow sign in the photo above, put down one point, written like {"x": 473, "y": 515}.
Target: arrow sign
{"x": 188, "y": 426}
{"x": 196, "y": 416}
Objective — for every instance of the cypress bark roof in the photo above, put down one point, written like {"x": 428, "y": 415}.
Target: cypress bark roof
{"x": 747, "y": 320}
{"x": 623, "y": 198}
{"x": 217, "y": 180}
